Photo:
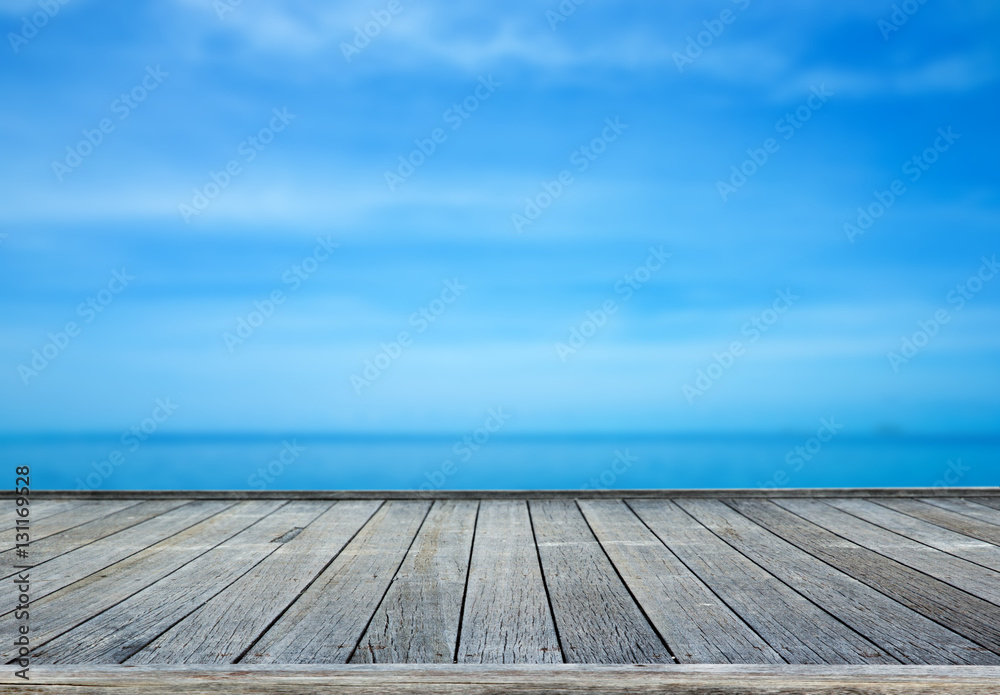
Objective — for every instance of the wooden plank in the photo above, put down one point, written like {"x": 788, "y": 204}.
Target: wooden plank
{"x": 697, "y": 626}
{"x": 77, "y": 564}
{"x": 957, "y": 572}
{"x": 452, "y": 679}
{"x": 417, "y": 621}
{"x": 981, "y": 512}
{"x": 597, "y": 619}
{"x": 958, "y": 544}
{"x": 976, "y": 619}
{"x": 42, "y": 508}
{"x": 955, "y": 521}
{"x": 119, "y": 516}
{"x": 82, "y": 514}
{"x": 326, "y": 622}
{"x": 901, "y": 632}
{"x": 124, "y": 629}
{"x": 506, "y": 617}
{"x": 62, "y": 610}
{"x": 221, "y": 630}
{"x": 937, "y": 492}
{"x": 39, "y": 510}
{"x": 800, "y": 631}
{"x": 986, "y": 501}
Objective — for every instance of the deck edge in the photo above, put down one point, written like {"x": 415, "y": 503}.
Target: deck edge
{"x": 508, "y": 494}
{"x": 570, "y": 678}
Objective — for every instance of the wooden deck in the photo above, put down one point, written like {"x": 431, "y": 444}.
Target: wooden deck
{"x": 891, "y": 591}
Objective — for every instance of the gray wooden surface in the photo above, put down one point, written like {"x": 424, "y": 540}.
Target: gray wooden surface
{"x": 771, "y": 584}
{"x": 506, "y": 617}
{"x": 526, "y": 679}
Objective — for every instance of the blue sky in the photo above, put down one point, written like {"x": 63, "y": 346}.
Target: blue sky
{"x": 213, "y": 83}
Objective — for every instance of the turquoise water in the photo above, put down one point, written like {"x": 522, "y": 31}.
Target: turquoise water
{"x": 306, "y": 461}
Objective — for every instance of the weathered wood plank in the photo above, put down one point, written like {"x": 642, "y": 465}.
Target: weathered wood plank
{"x": 800, "y": 631}
{"x": 506, "y": 617}
{"x": 976, "y": 619}
{"x": 955, "y": 521}
{"x": 597, "y": 619}
{"x": 77, "y": 564}
{"x": 901, "y": 632}
{"x": 92, "y": 527}
{"x": 986, "y": 501}
{"x": 326, "y": 622}
{"x": 81, "y": 514}
{"x": 981, "y": 512}
{"x": 221, "y": 630}
{"x": 697, "y": 626}
{"x": 452, "y": 679}
{"x": 938, "y": 492}
{"x": 958, "y": 544}
{"x": 122, "y": 630}
{"x": 38, "y": 510}
{"x": 42, "y": 508}
{"x": 417, "y": 621}
{"x": 957, "y": 572}
{"x": 62, "y": 610}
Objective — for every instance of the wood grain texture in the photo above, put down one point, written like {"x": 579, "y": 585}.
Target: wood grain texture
{"x": 452, "y": 679}
{"x": 122, "y": 630}
{"x": 697, "y": 626}
{"x": 417, "y": 621}
{"x": 80, "y": 514}
{"x": 97, "y": 520}
{"x": 800, "y": 631}
{"x": 957, "y": 544}
{"x": 597, "y": 619}
{"x": 326, "y": 622}
{"x": 77, "y": 564}
{"x": 976, "y": 619}
{"x": 221, "y": 630}
{"x": 899, "y": 631}
{"x": 955, "y": 571}
{"x": 506, "y": 618}
{"x": 62, "y": 610}
{"x": 981, "y": 512}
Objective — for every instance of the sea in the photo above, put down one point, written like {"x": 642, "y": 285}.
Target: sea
{"x": 305, "y": 461}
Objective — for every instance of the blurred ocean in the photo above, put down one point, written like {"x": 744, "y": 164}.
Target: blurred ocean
{"x": 305, "y": 461}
